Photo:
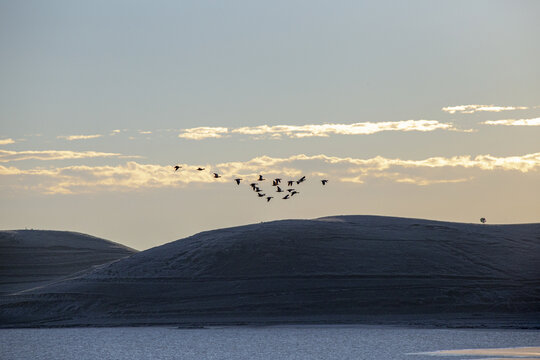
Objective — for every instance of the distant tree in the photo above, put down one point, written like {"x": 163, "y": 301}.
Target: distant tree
{"x": 483, "y": 220}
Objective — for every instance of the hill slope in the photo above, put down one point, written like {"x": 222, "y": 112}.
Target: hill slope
{"x": 335, "y": 269}
{"x": 30, "y": 258}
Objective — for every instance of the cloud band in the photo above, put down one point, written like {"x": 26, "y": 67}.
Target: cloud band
{"x": 7, "y": 156}
{"x": 471, "y": 109}
{"x": 315, "y": 130}
{"x": 134, "y": 176}
{"x": 514, "y": 122}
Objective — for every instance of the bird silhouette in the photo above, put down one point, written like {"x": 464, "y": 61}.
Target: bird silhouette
{"x": 200, "y": 169}
{"x": 277, "y": 180}
{"x": 286, "y": 197}
{"x": 216, "y": 175}
{"x": 261, "y": 195}
{"x": 257, "y": 189}
{"x": 253, "y": 185}
{"x": 279, "y": 189}
{"x": 294, "y": 192}
{"x": 302, "y": 179}
{"x": 237, "y": 181}
{"x": 268, "y": 198}
{"x": 289, "y": 190}
{"x": 290, "y": 183}
{"x": 261, "y": 178}
{"x": 324, "y": 182}
{"x": 177, "y": 167}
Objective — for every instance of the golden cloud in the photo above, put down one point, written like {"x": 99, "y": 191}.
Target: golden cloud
{"x": 134, "y": 176}
{"x": 7, "y": 156}
{"x": 79, "y": 137}
{"x": 7, "y": 141}
{"x": 363, "y": 128}
{"x": 514, "y": 122}
{"x": 203, "y": 132}
{"x": 471, "y": 109}
{"x": 317, "y": 130}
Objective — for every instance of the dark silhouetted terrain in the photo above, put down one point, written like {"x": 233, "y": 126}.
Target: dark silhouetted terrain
{"x": 356, "y": 269}
{"x": 30, "y": 258}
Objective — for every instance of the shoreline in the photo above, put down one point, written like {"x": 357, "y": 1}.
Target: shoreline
{"x": 443, "y": 321}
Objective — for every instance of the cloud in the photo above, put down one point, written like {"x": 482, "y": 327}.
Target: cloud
{"x": 363, "y": 128}
{"x": 7, "y": 156}
{"x": 79, "y": 137}
{"x": 84, "y": 179}
{"x": 522, "y": 163}
{"x": 399, "y": 177}
{"x": 424, "y": 182}
{"x": 7, "y": 141}
{"x": 10, "y": 170}
{"x": 117, "y": 131}
{"x": 514, "y": 122}
{"x": 200, "y": 133}
{"x": 471, "y": 109}
{"x": 317, "y": 130}
{"x": 133, "y": 176}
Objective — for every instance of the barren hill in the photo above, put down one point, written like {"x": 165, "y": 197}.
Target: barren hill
{"x": 30, "y": 258}
{"x": 327, "y": 270}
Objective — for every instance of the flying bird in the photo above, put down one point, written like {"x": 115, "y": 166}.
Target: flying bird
{"x": 289, "y": 190}
{"x": 253, "y": 185}
{"x": 302, "y": 179}
{"x": 257, "y": 189}
{"x": 483, "y": 220}
{"x": 290, "y": 183}
{"x": 277, "y": 180}
{"x": 286, "y": 197}
{"x": 261, "y": 195}
{"x": 279, "y": 189}
{"x": 261, "y": 178}
{"x": 216, "y": 175}
{"x": 268, "y": 198}
{"x": 294, "y": 192}
{"x": 324, "y": 182}
{"x": 274, "y": 183}
{"x": 177, "y": 167}
{"x": 237, "y": 181}
{"x": 200, "y": 169}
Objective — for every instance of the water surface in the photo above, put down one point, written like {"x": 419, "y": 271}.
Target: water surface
{"x": 271, "y": 342}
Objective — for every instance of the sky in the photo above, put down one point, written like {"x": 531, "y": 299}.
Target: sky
{"x": 422, "y": 109}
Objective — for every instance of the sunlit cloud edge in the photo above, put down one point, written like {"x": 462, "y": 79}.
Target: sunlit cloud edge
{"x": 7, "y": 141}
{"x": 79, "y": 137}
{"x": 316, "y": 130}
{"x": 8, "y": 156}
{"x": 135, "y": 176}
{"x": 514, "y": 122}
{"x": 473, "y": 108}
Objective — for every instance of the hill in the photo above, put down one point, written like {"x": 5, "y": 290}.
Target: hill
{"x": 339, "y": 269}
{"x": 30, "y": 258}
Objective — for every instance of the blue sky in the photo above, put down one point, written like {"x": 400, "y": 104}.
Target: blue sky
{"x": 417, "y": 109}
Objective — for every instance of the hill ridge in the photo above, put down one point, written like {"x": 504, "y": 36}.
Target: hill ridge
{"x": 348, "y": 268}
{"x": 32, "y": 258}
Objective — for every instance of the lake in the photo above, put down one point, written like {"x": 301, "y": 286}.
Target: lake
{"x": 251, "y": 342}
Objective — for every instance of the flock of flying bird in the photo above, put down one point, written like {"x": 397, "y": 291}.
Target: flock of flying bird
{"x": 291, "y": 191}
{"x": 275, "y": 183}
